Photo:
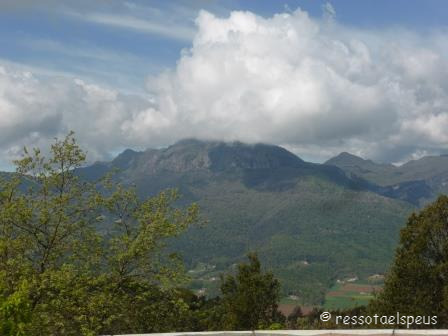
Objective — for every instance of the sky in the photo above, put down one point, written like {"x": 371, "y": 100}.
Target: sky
{"x": 317, "y": 77}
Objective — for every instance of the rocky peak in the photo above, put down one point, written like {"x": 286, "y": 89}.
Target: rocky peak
{"x": 259, "y": 156}
{"x": 193, "y": 154}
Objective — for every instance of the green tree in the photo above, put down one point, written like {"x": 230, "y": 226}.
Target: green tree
{"x": 250, "y": 298}
{"x": 417, "y": 283}
{"x": 15, "y": 312}
{"x": 59, "y": 274}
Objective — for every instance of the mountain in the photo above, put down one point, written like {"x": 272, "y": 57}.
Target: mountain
{"x": 310, "y": 223}
{"x": 428, "y": 168}
{"x": 366, "y": 169}
{"x": 417, "y": 181}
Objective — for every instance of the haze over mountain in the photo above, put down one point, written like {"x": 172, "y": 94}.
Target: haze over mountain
{"x": 311, "y": 223}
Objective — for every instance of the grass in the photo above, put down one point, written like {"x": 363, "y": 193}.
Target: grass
{"x": 349, "y": 295}
{"x": 287, "y": 300}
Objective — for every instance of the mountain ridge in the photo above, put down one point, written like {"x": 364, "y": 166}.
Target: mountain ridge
{"x": 419, "y": 181}
{"x": 259, "y": 197}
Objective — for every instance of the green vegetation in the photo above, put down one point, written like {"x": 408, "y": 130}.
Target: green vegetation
{"x": 349, "y": 295}
{"x": 59, "y": 276}
{"x": 250, "y": 299}
{"x": 310, "y": 236}
{"x": 417, "y": 282}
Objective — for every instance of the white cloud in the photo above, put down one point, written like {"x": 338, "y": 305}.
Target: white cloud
{"x": 315, "y": 86}
{"x": 329, "y": 12}
{"x": 172, "y": 20}
{"x": 179, "y": 32}
{"x": 294, "y": 80}
{"x": 34, "y": 110}
{"x": 85, "y": 51}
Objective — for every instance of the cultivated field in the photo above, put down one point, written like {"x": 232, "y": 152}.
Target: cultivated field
{"x": 348, "y": 295}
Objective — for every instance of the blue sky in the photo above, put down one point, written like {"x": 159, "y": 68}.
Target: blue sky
{"x": 63, "y": 38}
{"x": 317, "y": 77}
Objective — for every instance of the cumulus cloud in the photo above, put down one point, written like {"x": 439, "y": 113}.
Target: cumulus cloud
{"x": 313, "y": 85}
{"x": 33, "y": 111}
{"x": 308, "y": 84}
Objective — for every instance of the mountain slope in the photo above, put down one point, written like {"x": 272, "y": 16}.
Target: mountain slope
{"x": 417, "y": 181}
{"x": 367, "y": 169}
{"x": 310, "y": 223}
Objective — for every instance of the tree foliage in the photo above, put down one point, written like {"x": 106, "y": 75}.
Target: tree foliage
{"x": 89, "y": 258}
{"x": 417, "y": 283}
{"x": 59, "y": 275}
{"x": 250, "y": 298}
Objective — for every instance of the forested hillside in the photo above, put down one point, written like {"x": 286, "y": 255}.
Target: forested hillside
{"x": 312, "y": 224}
